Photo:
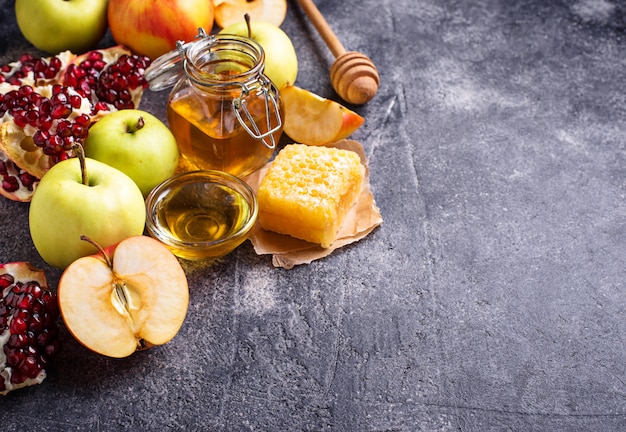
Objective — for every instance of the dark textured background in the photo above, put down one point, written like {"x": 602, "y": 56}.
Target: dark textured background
{"x": 493, "y": 296}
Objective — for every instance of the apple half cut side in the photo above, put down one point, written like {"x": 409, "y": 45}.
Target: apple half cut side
{"x": 131, "y": 296}
{"x": 229, "y": 12}
{"x": 314, "y": 120}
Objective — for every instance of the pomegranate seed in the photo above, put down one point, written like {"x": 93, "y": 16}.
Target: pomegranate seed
{"x": 32, "y": 118}
{"x": 28, "y": 181}
{"x": 10, "y": 184}
{"x": 45, "y": 107}
{"x": 62, "y": 156}
{"x": 40, "y": 137}
{"x": 25, "y": 90}
{"x": 57, "y": 89}
{"x": 68, "y": 143}
{"x": 83, "y": 120}
{"x": 18, "y": 325}
{"x": 17, "y": 377}
{"x": 94, "y": 55}
{"x": 61, "y": 111}
{"x": 79, "y": 131}
{"x": 25, "y": 69}
{"x": 100, "y": 106}
{"x": 55, "y": 64}
{"x": 19, "y": 117}
{"x": 29, "y": 367}
{"x": 45, "y": 122}
{"x": 75, "y": 101}
{"x": 59, "y": 98}
{"x": 64, "y": 128}
{"x": 25, "y": 301}
{"x": 6, "y": 280}
{"x": 53, "y": 145}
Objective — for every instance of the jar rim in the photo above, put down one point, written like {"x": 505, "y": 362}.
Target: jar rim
{"x": 244, "y": 57}
{"x": 167, "y": 69}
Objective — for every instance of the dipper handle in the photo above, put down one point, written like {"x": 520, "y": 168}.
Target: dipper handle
{"x": 322, "y": 27}
{"x": 353, "y": 75}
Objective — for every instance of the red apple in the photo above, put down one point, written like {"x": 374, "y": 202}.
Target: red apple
{"x": 314, "y": 120}
{"x": 130, "y": 296}
{"x": 152, "y": 28}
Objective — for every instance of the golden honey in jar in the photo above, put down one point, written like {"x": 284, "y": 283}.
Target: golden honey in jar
{"x": 223, "y": 111}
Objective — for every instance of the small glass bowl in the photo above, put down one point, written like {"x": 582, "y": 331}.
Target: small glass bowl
{"x": 201, "y": 215}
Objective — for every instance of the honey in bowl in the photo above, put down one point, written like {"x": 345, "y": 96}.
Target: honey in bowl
{"x": 201, "y": 214}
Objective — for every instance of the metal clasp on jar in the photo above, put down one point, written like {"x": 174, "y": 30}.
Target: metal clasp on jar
{"x": 267, "y": 90}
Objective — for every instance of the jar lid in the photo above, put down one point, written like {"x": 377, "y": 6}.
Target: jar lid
{"x": 166, "y": 70}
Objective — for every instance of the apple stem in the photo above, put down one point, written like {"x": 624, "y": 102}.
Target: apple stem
{"x": 107, "y": 258}
{"x": 132, "y": 128}
{"x": 247, "y": 18}
{"x": 80, "y": 153}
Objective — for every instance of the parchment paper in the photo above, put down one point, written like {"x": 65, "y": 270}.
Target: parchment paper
{"x": 288, "y": 251}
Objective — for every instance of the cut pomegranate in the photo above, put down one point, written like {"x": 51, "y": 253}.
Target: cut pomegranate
{"x": 17, "y": 184}
{"x": 35, "y": 71}
{"x": 112, "y": 76}
{"x": 29, "y": 314}
{"x": 48, "y": 104}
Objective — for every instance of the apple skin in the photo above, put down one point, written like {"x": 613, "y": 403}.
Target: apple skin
{"x": 58, "y": 25}
{"x": 148, "y": 155}
{"x": 151, "y": 28}
{"x": 110, "y": 208}
{"x": 281, "y": 61}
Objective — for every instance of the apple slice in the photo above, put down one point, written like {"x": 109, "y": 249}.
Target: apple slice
{"x": 130, "y": 296}
{"x": 228, "y": 12}
{"x": 314, "y": 120}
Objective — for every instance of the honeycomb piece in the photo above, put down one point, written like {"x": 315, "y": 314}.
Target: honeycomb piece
{"x": 308, "y": 191}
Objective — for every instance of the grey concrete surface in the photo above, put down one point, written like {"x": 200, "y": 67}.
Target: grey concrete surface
{"x": 491, "y": 299}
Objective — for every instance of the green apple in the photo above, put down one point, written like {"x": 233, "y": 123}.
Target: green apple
{"x": 99, "y": 201}
{"x": 136, "y": 143}
{"x": 58, "y": 25}
{"x": 281, "y": 62}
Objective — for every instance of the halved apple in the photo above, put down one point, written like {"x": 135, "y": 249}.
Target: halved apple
{"x": 314, "y": 120}
{"x": 130, "y": 296}
{"x": 228, "y": 12}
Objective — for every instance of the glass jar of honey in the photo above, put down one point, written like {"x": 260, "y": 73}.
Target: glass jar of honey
{"x": 224, "y": 112}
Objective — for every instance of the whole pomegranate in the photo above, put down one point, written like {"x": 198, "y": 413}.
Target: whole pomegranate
{"x": 29, "y": 314}
{"x": 47, "y": 105}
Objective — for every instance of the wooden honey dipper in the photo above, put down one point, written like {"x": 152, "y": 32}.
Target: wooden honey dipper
{"x": 353, "y": 75}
